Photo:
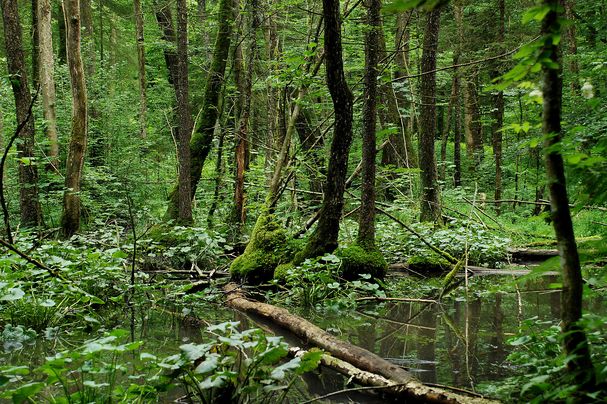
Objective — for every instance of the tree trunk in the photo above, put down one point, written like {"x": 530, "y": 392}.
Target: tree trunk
{"x": 312, "y": 143}
{"x": 574, "y": 337}
{"x": 31, "y": 214}
{"x": 185, "y": 123}
{"x": 474, "y": 134}
{"x": 366, "y": 224}
{"x": 61, "y": 46}
{"x": 47, "y": 80}
{"x": 498, "y": 115}
{"x": 401, "y": 44}
{"x": 70, "y": 220}
{"x": 430, "y": 203}
{"x": 324, "y": 238}
{"x": 165, "y": 22}
{"x": 35, "y": 44}
{"x": 453, "y": 100}
{"x": 458, "y": 13}
{"x": 571, "y": 41}
{"x": 141, "y": 68}
{"x": 88, "y": 41}
{"x": 202, "y": 138}
{"x": 243, "y": 125}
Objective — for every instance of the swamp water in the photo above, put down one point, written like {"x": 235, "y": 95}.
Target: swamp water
{"x": 461, "y": 342}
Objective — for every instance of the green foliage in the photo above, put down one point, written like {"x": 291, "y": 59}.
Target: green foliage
{"x": 319, "y": 283}
{"x": 239, "y": 366}
{"x": 543, "y": 376}
{"x": 181, "y": 247}
{"x": 484, "y": 247}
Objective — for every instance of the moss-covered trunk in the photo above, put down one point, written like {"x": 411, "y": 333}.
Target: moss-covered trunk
{"x": 324, "y": 238}
{"x": 202, "y": 138}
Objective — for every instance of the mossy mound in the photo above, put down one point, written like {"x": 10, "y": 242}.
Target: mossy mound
{"x": 428, "y": 264}
{"x": 282, "y": 271}
{"x": 268, "y": 248}
{"x": 357, "y": 260}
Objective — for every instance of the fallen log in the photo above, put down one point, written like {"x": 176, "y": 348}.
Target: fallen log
{"x": 358, "y": 357}
{"x": 529, "y": 254}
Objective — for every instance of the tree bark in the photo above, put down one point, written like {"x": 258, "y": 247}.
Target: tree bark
{"x": 430, "y": 203}
{"x": 31, "y": 214}
{"x": 571, "y": 42}
{"x": 458, "y": 13}
{"x": 498, "y": 114}
{"x": 164, "y": 18}
{"x": 87, "y": 39}
{"x": 141, "y": 68}
{"x": 202, "y": 138}
{"x": 324, "y": 238}
{"x": 185, "y": 123}
{"x": 35, "y": 44}
{"x": 242, "y": 139}
{"x": 366, "y": 223}
{"x": 47, "y": 80}
{"x": 70, "y": 220}
{"x": 474, "y": 134}
{"x": 576, "y": 346}
{"x": 61, "y": 46}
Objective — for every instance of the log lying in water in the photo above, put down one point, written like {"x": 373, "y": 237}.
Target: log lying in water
{"x": 529, "y": 254}
{"x": 408, "y": 385}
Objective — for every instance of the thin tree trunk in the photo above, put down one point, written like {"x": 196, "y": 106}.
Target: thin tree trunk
{"x": 457, "y": 145}
{"x": 47, "y": 80}
{"x": 242, "y": 139}
{"x": 458, "y": 13}
{"x": 185, "y": 117}
{"x": 35, "y": 44}
{"x": 474, "y": 134}
{"x": 571, "y": 42}
{"x": 141, "y": 68}
{"x": 70, "y": 220}
{"x": 498, "y": 115}
{"x": 312, "y": 143}
{"x": 87, "y": 38}
{"x": 430, "y": 203}
{"x": 574, "y": 337}
{"x": 453, "y": 100}
{"x": 366, "y": 224}
{"x": 401, "y": 44}
{"x": 31, "y": 214}
{"x": 61, "y": 46}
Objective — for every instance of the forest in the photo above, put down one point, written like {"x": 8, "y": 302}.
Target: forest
{"x": 300, "y": 201}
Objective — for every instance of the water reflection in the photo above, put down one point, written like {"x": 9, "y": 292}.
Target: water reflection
{"x": 460, "y": 342}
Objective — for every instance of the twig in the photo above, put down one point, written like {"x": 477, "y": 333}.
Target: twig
{"x": 395, "y": 299}
{"x": 437, "y": 250}
{"x": 20, "y": 127}
{"x": 335, "y": 393}
{"x": 31, "y": 260}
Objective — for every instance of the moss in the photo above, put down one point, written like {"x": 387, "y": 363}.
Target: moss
{"x": 281, "y": 271}
{"x": 267, "y": 248}
{"x": 428, "y": 264}
{"x": 357, "y": 260}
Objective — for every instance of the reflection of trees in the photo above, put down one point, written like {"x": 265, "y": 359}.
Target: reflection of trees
{"x": 497, "y": 353}
{"x": 426, "y": 345}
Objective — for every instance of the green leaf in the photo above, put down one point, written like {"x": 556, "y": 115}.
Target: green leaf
{"x": 279, "y": 373}
{"x": 13, "y": 294}
{"x": 537, "y": 13}
{"x": 26, "y": 391}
